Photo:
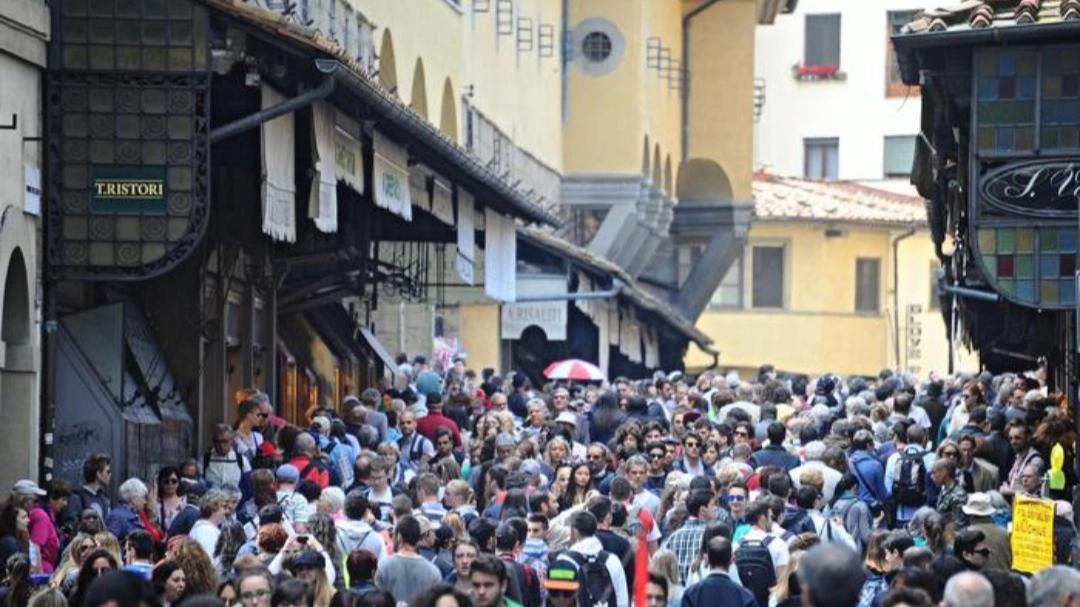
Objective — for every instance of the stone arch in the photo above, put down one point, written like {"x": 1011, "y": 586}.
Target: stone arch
{"x": 669, "y": 178}
{"x": 657, "y": 168}
{"x": 645, "y": 164}
{"x": 448, "y": 119}
{"x": 418, "y": 101}
{"x": 702, "y": 179}
{"x": 387, "y": 63}
{"x": 15, "y": 324}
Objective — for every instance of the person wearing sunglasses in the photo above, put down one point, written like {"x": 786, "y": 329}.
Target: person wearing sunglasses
{"x": 247, "y": 439}
{"x": 971, "y": 547}
{"x": 691, "y": 461}
{"x": 170, "y": 493}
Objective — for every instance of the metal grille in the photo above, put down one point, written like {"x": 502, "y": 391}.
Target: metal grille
{"x": 120, "y": 120}
{"x": 596, "y": 47}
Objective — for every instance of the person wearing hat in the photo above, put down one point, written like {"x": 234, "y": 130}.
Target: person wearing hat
{"x": 980, "y": 514}
{"x": 294, "y": 506}
{"x": 562, "y": 583}
{"x": 430, "y": 423}
{"x": 27, "y": 494}
{"x": 305, "y": 558}
{"x": 570, "y": 421}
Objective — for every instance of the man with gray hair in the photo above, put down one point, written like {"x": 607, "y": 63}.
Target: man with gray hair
{"x": 969, "y": 589}
{"x": 1057, "y": 586}
{"x": 815, "y": 450}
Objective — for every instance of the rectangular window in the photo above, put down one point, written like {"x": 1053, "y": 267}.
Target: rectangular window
{"x": 821, "y": 158}
{"x": 730, "y": 292}
{"x": 768, "y": 277}
{"x": 899, "y": 155}
{"x": 894, "y": 86}
{"x": 822, "y": 40}
{"x": 935, "y": 275}
{"x": 867, "y": 285}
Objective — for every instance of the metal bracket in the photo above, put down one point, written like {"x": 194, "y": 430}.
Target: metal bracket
{"x": 504, "y": 17}
{"x": 14, "y": 124}
{"x": 546, "y": 44}
{"x": 653, "y": 51}
{"x": 525, "y": 34}
{"x": 481, "y": 6}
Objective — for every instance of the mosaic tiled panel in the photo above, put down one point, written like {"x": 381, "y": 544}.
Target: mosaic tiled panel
{"x": 1033, "y": 265}
{"x": 1059, "y": 104}
{"x": 1007, "y": 83}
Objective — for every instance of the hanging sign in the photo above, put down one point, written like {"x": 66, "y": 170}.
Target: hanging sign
{"x": 392, "y": 190}
{"x": 127, "y": 190}
{"x": 1041, "y": 187}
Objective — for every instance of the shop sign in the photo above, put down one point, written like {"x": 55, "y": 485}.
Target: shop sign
{"x": 1041, "y": 187}
{"x": 550, "y": 316}
{"x": 127, "y": 190}
{"x": 391, "y": 179}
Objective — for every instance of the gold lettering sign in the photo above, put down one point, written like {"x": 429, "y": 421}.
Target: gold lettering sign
{"x": 134, "y": 190}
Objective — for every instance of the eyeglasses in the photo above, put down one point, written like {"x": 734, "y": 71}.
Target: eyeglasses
{"x": 742, "y": 433}
{"x": 656, "y": 456}
{"x": 100, "y": 571}
{"x": 734, "y": 498}
{"x": 949, "y": 454}
{"x": 254, "y": 595}
{"x": 692, "y": 445}
{"x": 561, "y": 593}
{"x": 171, "y": 481}
{"x": 983, "y": 552}
{"x": 262, "y": 415}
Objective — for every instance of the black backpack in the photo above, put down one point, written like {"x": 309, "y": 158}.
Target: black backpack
{"x": 755, "y": 565}
{"x": 597, "y": 589}
{"x": 910, "y": 486}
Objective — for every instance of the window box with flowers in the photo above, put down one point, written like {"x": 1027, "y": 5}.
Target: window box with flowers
{"x": 817, "y": 72}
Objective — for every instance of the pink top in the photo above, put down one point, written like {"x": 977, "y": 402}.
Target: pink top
{"x": 43, "y": 533}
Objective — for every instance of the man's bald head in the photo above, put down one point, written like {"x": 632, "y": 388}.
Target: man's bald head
{"x": 968, "y": 589}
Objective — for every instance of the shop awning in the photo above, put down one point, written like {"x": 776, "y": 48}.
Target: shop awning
{"x": 422, "y": 138}
{"x": 380, "y": 351}
{"x": 630, "y": 289}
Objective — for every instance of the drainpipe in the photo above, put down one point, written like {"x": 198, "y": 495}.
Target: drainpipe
{"x": 896, "y": 289}
{"x": 287, "y": 107}
{"x": 686, "y": 75}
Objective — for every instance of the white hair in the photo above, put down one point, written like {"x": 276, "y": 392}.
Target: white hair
{"x": 131, "y": 489}
{"x": 333, "y": 499}
{"x": 1050, "y": 587}
{"x": 969, "y": 589}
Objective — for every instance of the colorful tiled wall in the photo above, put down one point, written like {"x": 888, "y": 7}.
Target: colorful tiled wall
{"x": 1032, "y": 265}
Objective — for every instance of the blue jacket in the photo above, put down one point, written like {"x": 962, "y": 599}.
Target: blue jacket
{"x": 871, "y": 476}
{"x": 122, "y": 521}
{"x": 717, "y": 590}
{"x": 775, "y": 456}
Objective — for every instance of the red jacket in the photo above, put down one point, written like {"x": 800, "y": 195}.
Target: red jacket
{"x": 431, "y": 422}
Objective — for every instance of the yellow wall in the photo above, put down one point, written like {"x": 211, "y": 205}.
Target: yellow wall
{"x": 721, "y": 90}
{"x": 520, "y": 93}
{"x": 479, "y": 332}
{"x": 818, "y": 330}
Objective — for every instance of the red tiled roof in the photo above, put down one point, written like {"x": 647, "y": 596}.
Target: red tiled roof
{"x": 978, "y": 14}
{"x": 793, "y": 199}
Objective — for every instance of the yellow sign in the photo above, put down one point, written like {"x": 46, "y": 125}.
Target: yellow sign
{"x": 1032, "y": 534}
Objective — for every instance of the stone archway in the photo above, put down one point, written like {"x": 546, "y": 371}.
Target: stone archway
{"x": 18, "y": 369}
{"x": 15, "y": 319}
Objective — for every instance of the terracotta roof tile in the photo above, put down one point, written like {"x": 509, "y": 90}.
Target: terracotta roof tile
{"x": 789, "y": 198}
{"x": 977, "y": 14}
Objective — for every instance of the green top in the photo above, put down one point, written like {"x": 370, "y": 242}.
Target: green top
{"x": 508, "y": 602}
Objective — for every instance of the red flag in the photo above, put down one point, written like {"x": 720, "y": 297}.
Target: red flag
{"x": 641, "y": 569}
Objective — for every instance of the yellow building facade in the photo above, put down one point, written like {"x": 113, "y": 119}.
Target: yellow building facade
{"x": 836, "y": 278}
{"x": 593, "y": 104}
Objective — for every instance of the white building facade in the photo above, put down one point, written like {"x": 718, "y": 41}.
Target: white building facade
{"x": 833, "y": 104}
{"x": 24, "y": 30}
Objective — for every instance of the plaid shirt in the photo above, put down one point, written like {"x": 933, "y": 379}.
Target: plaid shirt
{"x": 685, "y": 543}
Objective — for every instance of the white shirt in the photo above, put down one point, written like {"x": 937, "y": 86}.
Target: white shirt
{"x": 206, "y": 534}
{"x": 778, "y": 549}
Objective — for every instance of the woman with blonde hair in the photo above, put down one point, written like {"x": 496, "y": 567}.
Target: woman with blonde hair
{"x": 556, "y": 453}
{"x": 68, "y": 570}
{"x": 199, "y": 570}
{"x": 49, "y": 597}
{"x": 108, "y": 541}
{"x": 666, "y": 566}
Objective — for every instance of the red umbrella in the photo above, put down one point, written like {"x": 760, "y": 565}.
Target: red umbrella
{"x": 574, "y": 369}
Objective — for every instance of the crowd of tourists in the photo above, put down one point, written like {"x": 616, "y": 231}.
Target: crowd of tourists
{"x": 450, "y": 488}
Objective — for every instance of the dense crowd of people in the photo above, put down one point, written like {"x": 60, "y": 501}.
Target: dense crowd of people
{"x": 453, "y": 489}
